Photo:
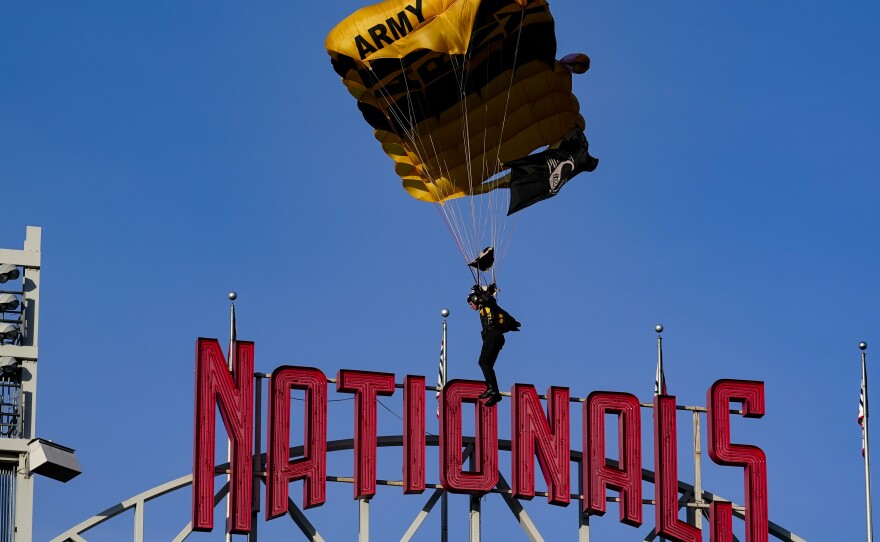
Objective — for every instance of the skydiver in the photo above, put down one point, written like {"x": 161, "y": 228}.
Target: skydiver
{"x": 495, "y": 322}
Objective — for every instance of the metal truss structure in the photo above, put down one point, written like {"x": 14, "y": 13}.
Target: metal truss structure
{"x": 18, "y": 389}
{"x": 692, "y": 497}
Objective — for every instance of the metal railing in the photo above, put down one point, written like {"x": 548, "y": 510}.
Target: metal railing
{"x": 10, "y": 406}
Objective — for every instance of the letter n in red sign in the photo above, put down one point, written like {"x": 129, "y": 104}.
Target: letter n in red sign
{"x": 235, "y": 399}
{"x": 626, "y": 478}
{"x": 485, "y": 455}
{"x": 751, "y": 394}
{"x": 312, "y": 467}
{"x": 532, "y": 431}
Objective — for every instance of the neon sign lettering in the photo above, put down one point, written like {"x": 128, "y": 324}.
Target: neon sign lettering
{"x": 536, "y": 434}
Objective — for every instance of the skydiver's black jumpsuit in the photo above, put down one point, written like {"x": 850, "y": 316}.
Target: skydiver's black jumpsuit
{"x": 495, "y": 321}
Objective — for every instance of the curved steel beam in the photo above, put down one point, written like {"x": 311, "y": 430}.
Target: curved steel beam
{"x": 383, "y": 442}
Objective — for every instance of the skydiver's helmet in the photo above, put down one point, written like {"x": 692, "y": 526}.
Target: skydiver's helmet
{"x": 475, "y": 298}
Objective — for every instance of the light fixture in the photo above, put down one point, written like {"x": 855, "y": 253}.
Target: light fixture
{"x": 8, "y": 272}
{"x": 8, "y": 332}
{"x": 8, "y": 302}
{"x": 52, "y": 460}
{"x": 8, "y": 364}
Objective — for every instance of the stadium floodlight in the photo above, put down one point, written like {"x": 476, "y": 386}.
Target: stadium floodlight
{"x": 8, "y": 302}
{"x": 8, "y": 332}
{"x": 8, "y": 272}
{"x": 52, "y": 460}
{"x": 8, "y": 364}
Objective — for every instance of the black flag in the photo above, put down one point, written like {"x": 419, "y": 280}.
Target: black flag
{"x": 540, "y": 176}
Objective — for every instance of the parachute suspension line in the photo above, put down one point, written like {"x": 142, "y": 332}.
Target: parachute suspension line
{"x": 485, "y": 215}
{"x": 455, "y": 238}
{"x": 412, "y": 132}
{"x": 453, "y": 222}
{"x": 484, "y": 173}
{"x": 396, "y": 116}
{"x": 512, "y": 75}
{"x": 450, "y": 212}
{"x": 452, "y": 208}
{"x": 480, "y": 205}
{"x": 461, "y": 73}
{"x": 500, "y": 233}
{"x": 488, "y": 215}
{"x": 494, "y": 196}
{"x": 405, "y": 119}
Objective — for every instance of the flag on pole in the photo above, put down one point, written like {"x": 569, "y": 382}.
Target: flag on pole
{"x": 231, "y": 364}
{"x": 862, "y": 394}
{"x": 232, "y": 327}
{"x": 659, "y": 380}
{"x": 441, "y": 372}
{"x": 232, "y": 332}
{"x": 659, "y": 377}
{"x": 866, "y": 452}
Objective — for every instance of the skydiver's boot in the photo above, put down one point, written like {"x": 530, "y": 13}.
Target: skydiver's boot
{"x": 490, "y": 391}
{"x": 494, "y": 400}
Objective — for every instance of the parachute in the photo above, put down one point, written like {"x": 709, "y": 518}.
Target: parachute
{"x": 460, "y": 94}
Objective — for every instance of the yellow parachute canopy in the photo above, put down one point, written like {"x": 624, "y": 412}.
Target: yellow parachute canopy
{"x": 456, "y": 88}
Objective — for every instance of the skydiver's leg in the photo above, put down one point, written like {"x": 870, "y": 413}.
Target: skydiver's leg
{"x": 492, "y": 344}
{"x": 494, "y": 392}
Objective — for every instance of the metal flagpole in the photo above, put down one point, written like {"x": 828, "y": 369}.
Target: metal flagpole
{"x": 444, "y": 498}
{"x": 659, "y": 377}
{"x": 864, "y": 421}
{"x": 231, "y": 362}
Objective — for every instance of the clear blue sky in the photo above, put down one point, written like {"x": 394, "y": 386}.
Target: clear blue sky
{"x": 172, "y": 152}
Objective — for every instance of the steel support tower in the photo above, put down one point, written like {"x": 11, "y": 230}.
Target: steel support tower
{"x": 18, "y": 390}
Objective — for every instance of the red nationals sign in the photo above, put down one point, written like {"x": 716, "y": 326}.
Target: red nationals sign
{"x": 535, "y": 434}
